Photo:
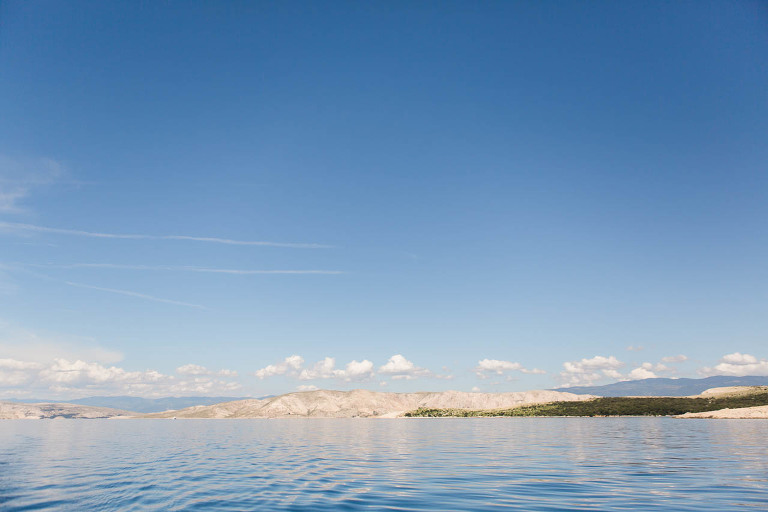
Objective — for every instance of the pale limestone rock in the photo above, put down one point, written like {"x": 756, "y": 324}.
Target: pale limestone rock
{"x": 364, "y": 403}
{"x": 14, "y": 411}
{"x": 759, "y": 412}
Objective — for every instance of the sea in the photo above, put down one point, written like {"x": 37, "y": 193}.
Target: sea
{"x": 472, "y": 464}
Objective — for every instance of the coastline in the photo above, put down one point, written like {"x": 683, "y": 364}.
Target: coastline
{"x": 732, "y": 402}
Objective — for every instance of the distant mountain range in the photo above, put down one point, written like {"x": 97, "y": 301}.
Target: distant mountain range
{"x": 136, "y": 404}
{"x": 666, "y": 387}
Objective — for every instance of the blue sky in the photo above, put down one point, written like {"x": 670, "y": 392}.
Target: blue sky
{"x": 496, "y": 196}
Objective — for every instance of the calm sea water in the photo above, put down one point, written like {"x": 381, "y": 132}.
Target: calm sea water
{"x": 354, "y": 464}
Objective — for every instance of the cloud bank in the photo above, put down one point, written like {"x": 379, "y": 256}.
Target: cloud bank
{"x": 737, "y": 365}
{"x": 83, "y": 378}
{"x": 293, "y": 366}
{"x": 587, "y": 372}
{"x": 396, "y": 368}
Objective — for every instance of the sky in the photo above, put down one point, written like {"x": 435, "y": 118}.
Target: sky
{"x": 251, "y": 198}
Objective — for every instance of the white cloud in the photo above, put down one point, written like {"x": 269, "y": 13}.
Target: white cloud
{"x": 15, "y": 373}
{"x": 475, "y": 389}
{"x": 400, "y": 368}
{"x": 196, "y": 369}
{"x": 81, "y": 378}
{"x": 635, "y": 348}
{"x": 613, "y": 374}
{"x": 641, "y": 373}
{"x": 499, "y": 367}
{"x": 63, "y": 371}
{"x": 674, "y": 359}
{"x": 496, "y": 366}
{"x": 289, "y": 366}
{"x": 358, "y": 370}
{"x": 738, "y": 365}
{"x": 324, "y": 369}
{"x": 201, "y": 385}
{"x": 53, "y": 365}
{"x": 192, "y": 369}
{"x": 587, "y": 371}
{"x": 397, "y": 364}
{"x": 648, "y": 371}
{"x": 18, "y": 227}
{"x": 13, "y": 364}
{"x": 596, "y": 363}
{"x": 740, "y": 359}
{"x": 307, "y": 387}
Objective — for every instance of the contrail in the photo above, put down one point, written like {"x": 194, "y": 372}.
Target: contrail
{"x": 176, "y": 268}
{"x": 135, "y": 294}
{"x": 75, "y": 232}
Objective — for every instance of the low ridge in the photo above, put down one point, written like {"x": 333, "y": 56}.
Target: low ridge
{"x": 363, "y": 403}
{"x": 39, "y": 411}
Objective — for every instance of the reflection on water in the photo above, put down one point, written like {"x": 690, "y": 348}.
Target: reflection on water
{"x": 407, "y": 464}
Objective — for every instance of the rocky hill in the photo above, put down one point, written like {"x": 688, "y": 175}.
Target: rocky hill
{"x": 135, "y": 403}
{"x": 363, "y": 403}
{"x": 18, "y": 411}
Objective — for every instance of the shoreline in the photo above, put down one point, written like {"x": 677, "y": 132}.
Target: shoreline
{"x": 727, "y": 403}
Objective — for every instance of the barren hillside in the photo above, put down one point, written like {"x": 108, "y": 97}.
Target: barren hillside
{"x": 17, "y": 411}
{"x": 362, "y": 403}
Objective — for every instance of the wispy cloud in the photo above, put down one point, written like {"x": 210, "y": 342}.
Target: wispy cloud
{"x": 681, "y": 358}
{"x": 176, "y": 268}
{"x": 18, "y": 177}
{"x": 198, "y": 370}
{"x": 100, "y": 288}
{"x": 17, "y": 342}
{"x": 15, "y": 226}
{"x": 135, "y": 294}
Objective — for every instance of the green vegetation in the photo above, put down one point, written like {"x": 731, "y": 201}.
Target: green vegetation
{"x": 610, "y": 406}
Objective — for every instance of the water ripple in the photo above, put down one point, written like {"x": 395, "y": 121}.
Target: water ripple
{"x": 405, "y": 465}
